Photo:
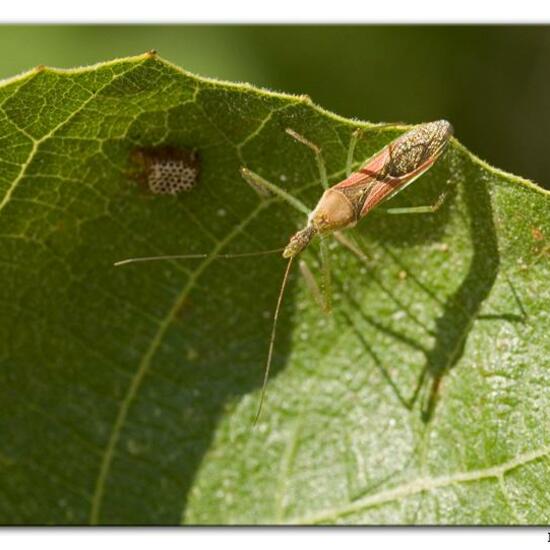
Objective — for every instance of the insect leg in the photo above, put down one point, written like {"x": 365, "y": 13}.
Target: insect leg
{"x": 311, "y": 284}
{"x": 258, "y": 183}
{"x": 326, "y": 281}
{"x": 351, "y": 244}
{"x": 318, "y": 156}
{"x": 321, "y": 295}
{"x": 351, "y": 150}
{"x": 428, "y": 209}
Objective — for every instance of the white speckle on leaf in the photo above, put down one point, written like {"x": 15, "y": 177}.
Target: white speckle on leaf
{"x": 398, "y": 315}
{"x": 133, "y": 447}
{"x": 192, "y": 354}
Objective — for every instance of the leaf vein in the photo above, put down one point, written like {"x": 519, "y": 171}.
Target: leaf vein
{"x": 36, "y": 142}
{"x": 421, "y": 485}
{"x": 146, "y": 361}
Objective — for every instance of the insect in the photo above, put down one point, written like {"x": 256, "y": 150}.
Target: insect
{"x": 341, "y": 206}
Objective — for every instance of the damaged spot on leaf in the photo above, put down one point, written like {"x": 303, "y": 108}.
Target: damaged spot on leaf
{"x": 166, "y": 170}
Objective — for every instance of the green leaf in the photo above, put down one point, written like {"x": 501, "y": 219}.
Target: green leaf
{"x": 128, "y": 393}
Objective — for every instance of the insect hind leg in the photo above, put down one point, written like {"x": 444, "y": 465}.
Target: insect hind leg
{"x": 317, "y": 152}
{"x": 425, "y": 209}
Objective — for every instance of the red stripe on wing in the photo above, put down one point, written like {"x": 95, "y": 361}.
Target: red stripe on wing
{"x": 381, "y": 189}
{"x": 368, "y": 172}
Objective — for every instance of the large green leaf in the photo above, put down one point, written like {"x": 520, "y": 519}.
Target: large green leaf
{"x": 128, "y": 393}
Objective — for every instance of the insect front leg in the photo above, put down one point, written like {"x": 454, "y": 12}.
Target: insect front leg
{"x": 318, "y": 155}
{"x": 326, "y": 274}
{"x": 265, "y": 188}
{"x": 321, "y": 294}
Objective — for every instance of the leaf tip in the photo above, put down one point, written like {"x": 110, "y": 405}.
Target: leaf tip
{"x": 151, "y": 53}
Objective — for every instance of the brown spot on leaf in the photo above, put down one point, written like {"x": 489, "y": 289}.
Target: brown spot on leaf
{"x": 166, "y": 170}
{"x": 537, "y": 234}
{"x": 183, "y": 309}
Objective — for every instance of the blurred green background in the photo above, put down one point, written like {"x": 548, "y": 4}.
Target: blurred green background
{"x": 491, "y": 82}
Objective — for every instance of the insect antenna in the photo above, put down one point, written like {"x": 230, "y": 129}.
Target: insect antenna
{"x": 229, "y": 256}
{"x": 272, "y": 339}
{"x": 194, "y": 256}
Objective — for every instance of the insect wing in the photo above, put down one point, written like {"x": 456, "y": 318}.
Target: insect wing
{"x": 371, "y": 171}
{"x": 384, "y": 189}
{"x": 396, "y": 166}
{"x": 370, "y": 186}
